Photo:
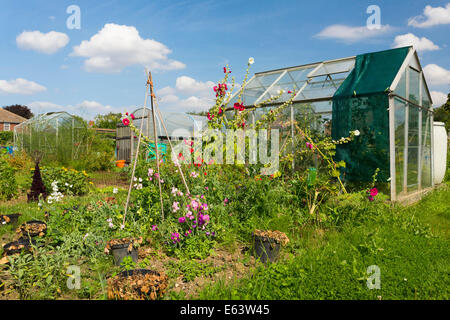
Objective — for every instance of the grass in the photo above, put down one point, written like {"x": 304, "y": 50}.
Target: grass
{"x": 408, "y": 244}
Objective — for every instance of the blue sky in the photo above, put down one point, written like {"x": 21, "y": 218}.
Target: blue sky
{"x": 100, "y": 67}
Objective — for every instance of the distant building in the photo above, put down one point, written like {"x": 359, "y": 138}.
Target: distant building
{"x": 9, "y": 120}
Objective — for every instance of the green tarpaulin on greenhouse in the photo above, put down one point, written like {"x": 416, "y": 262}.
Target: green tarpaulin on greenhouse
{"x": 361, "y": 103}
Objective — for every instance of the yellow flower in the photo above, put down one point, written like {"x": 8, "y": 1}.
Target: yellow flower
{"x": 90, "y": 182}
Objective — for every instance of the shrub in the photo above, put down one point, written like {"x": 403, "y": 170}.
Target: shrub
{"x": 8, "y": 183}
{"x": 6, "y": 137}
{"x": 70, "y": 181}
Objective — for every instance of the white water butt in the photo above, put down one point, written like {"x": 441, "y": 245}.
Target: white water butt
{"x": 440, "y": 151}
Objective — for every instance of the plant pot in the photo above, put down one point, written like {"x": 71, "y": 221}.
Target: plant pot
{"x": 265, "y": 248}
{"x": 17, "y": 246}
{"x": 9, "y": 218}
{"x": 121, "y": 251}
{"x": 33, "y": 228}
{"x": 137, "y": 284}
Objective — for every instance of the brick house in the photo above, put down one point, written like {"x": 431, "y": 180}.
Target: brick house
{"x": 9, "y": 120}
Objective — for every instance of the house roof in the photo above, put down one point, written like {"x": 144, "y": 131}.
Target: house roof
{"x": 7, "y": 116}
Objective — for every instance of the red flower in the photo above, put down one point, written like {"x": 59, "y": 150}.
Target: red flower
{"x": 224, "y": 70}
{"x": 205, "y": 173}
{"x": 289, "y": 91}
{"x": 126, "y": 113}
{"x": 125, "y": 121}
{"x": 220, "y": 111}
{"x": 132, "y": 116}
{"x": 373, "y": 192}
{"x": 192, "y": 150}
{"x": 239, "y": 106}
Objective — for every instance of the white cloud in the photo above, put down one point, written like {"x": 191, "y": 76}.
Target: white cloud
{"x": 351, "y": 34}
{"x": 431, "y": 17}
{"x": 190, "y": 86}
{"x": 436, "y": 75}
{"x": 439, "y": 98}
{"x": 42, "y": 42}
{"x": 420, "y": 44}
{"x": 20, "y": 86}
{"x": 187, "y": 95}
{"x": 115, "y": 47}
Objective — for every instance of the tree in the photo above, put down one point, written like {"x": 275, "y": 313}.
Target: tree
{"x": 20, "y": 110}
{"x": 107, "y": 121}
{"x": 442, "y": 114}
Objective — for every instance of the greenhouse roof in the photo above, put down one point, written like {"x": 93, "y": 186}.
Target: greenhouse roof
{"x": 52, "y": 119}
{"x": 318, "y": 82}
{"x": 314, "y": 82}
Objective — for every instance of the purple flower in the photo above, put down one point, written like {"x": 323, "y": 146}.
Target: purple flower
{"x": 370, "y": 198}
{"x": 181, "y": 219}
{"x": 154, "y": 228}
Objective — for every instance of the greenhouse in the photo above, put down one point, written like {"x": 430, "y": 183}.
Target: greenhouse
{"x": 383, "y": 95}
{"x": 178, "y": 125}
{"x": 55, "y": 135}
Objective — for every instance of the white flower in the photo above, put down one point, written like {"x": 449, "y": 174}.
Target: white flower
{"x": 115, "y": 190}
{"x": 356, "y": 132}
{"x": 251, "y": 60}
{"x": 140, "y": 179}
{"x": 122, "y": 226}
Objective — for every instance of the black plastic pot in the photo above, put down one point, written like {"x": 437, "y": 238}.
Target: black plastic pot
{"x": 13, "y": 218}
{"x": 266, "y": 249}
{"x": 120, "y": 251}
{"x": 22, "y": 241}
{"x": 32, "y": 234}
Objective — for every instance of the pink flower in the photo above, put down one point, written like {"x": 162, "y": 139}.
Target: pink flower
{"x": 225, "y": 201}
{"x": 373, "y": 192}
{"x": 132, "y": 116}
{"x": 370, "y": 198}
{"x": 154, "y": 228}
{"x": 125, "y": 121}
{"x": 309, "y": 145}
{"x": 181, "y": 219}
{"x": 174, "y": 190}
{"x": 175, "y": 206}
{"x": 150, "y": 172}
{"x": 194, "y": 204}
{"x": 194, "y": 174}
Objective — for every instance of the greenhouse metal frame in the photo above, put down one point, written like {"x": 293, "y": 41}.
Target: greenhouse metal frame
{"x": 368, "y": 90}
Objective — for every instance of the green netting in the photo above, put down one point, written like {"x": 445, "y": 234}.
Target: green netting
{"x": 361, "y": 103}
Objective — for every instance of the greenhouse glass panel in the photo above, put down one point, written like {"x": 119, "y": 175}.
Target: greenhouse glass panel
{"x": 401, "y": 86}
{"x": 413, "y": 148}
{"x": 399, "y": 144}
{"x": 333, "y": 67}
{"x": 414, "y": 80}
{"x": 426, "y": 150}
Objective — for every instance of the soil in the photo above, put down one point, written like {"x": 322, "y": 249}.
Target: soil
{"x": 233, "y": 266}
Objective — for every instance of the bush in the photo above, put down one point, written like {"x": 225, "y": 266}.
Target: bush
{"x": 70, "y": 181}
{"x": 6, "y": 137}
{"x": 8, "y": 184}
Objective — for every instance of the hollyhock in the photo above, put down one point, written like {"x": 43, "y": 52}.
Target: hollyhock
{"x": 373, "y": 192}
{"x": 132, "y": 116}
{"x": 126, "y": 122}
